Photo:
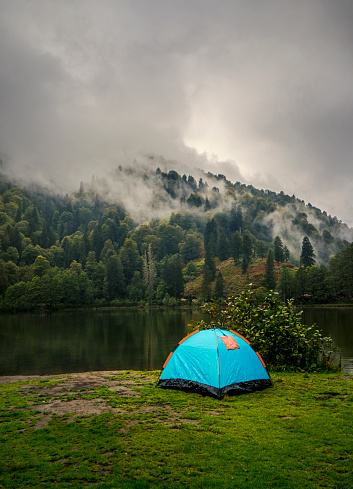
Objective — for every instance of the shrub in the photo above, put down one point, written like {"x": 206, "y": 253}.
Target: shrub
{"x": 274, "y": 329}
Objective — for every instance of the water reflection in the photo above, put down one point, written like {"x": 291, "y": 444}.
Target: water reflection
{"x": 79, "y": 341}
{"x": 338, "y": 323}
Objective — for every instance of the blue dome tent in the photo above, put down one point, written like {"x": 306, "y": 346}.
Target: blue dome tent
{"x": 214, "y": 362}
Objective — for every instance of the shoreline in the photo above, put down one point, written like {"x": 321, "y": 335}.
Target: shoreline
{"x": 8, "y": 379}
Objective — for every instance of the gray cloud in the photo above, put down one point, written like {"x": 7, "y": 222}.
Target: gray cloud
{"x": 259, "y": 91}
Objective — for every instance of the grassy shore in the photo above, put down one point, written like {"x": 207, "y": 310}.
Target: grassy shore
{"x": 118, "y": 430}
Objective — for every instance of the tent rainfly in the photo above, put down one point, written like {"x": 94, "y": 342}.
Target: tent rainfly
{"x": 214, "y": 362}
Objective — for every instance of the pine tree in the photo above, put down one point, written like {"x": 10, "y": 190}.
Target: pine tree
{"x": 307, "y": 257}
{"x": 236, "y": 219}
{"x": 177, "y": 277}
{"x": 237, "y": 246}
{"x": 278, "y": 250}
{"x": 210, "y": 235}
{"x": 245, "y": 264}
{"x": 219, "y": 287}
{"x": 210, "y": 262}
{"x": 207, "y": 205}
{"x": 270, "y": 281}
{"x": 223, "y": 247}
{"x": 247, "y": 247}
{"x": 206, "y": 283}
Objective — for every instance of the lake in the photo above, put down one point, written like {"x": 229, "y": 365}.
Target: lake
{"x": 336, "y": 322}
{"x": 80, "y": 341}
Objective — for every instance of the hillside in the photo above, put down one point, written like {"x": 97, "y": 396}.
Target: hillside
{"x": 142, "y": 235}
{"x": 264, "y": 213}
{"x": 234, "y": 279}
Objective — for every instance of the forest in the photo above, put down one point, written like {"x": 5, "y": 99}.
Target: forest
{"x": 88, "y": 249}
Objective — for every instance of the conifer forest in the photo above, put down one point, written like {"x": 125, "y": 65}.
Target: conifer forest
{"x": 191, "y": 239}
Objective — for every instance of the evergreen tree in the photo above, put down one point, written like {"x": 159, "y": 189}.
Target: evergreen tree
{"x": 300, "y": 282}
{"x": 223, "y": 247}
{"x": 237, "y": 246}
{"x": 91, "y": 265}
{"x": 67, "y": 247}
{"x": 6, "y": 237}
{"x": 316, "y": 283}
{"x": 18, "y": 217}
{"x": 207, "y": 205}
{"x": 340, "y": 276}
{"x": 3, "y": 277}
{"x": 130, "y": 259}
{"x": 307, "y": 257}
{"x": 44, "y": 238}
{"x": 178, "y": 278}
{"x": 247, "y": 247}
{"x": 236, "y": 219}
{"x": 219, "y": 287}
{"x": 260, "y": 249}
{"x": 210, "y": 236}
{"x": 107, "y": 251}
{"x": 278, "y": 253}
{"x": 245, "y": 264}
{"x": 172, "y": 275}
{"x": 210, "y": 263}
{"x": 16, "y": 240}
{"x": 285, "y": 284}
{"x": 270, "y": 281}
{"x": 136, "y": 288}
{"x": 114, "y": 280}
{"x": 33, "y": 218}
{"x": 206, "y": 283}
{"x": 96, "y": 239}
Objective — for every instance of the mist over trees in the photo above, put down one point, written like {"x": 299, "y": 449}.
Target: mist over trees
{"x": 89, "y": 248}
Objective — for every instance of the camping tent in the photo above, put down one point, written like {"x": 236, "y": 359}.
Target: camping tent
{"x": 214, "y": 362}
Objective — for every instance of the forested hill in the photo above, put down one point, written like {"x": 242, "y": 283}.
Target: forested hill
{"x": 149, "y": 196}
{"x": 137, "y": 229}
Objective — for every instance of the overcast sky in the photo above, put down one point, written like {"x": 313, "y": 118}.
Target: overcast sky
{"x": 260, "y": 90}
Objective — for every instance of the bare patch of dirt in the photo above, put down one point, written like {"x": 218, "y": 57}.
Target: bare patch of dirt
{"x": 78, "y": 407}
{"x": 64, "y": 396}
{"x": 56, "y": 398}
{"x": 8, "y": 379}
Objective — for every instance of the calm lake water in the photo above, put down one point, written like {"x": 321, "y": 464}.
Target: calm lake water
{"x": 79, "y": 341}
{"x": 336, "y": 322}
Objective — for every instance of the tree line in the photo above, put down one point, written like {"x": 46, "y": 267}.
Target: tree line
{"x": 80, "y": 250}
{"x": 309, "y": 283}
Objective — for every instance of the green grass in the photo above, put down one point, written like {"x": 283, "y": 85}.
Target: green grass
{"x": 296, "y": 434}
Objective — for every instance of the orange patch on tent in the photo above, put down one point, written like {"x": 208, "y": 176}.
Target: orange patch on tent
{"x": 263, "y": 363}
{"x": 230, "y": 342}
{"x": 188, "y": 336}
{"x": 165, "y": 363}
{"x": 240, "y": 336}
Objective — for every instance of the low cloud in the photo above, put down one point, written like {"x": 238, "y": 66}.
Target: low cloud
{"x": 261, "y": 92}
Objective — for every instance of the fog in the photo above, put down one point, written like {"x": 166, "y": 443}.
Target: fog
{"x": 259, "y": 91}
